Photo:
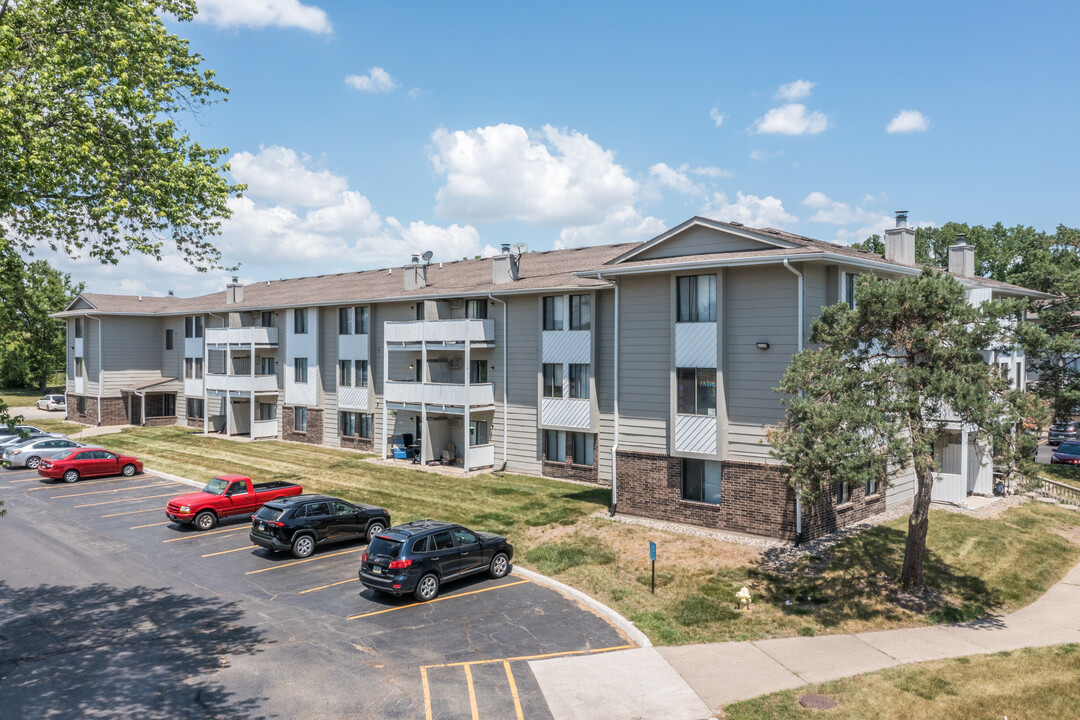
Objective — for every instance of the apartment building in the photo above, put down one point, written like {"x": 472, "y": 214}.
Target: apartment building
{"x": 649, "y": 367}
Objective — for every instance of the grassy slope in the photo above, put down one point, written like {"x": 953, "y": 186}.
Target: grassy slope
{"x": 27, "y": 397}
{"x": 976, "y": 565}
{"x": 1032, "y": 684}
{"x": 1068, "y": 474}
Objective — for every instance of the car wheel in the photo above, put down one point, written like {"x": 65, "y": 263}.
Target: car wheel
{"x": 128, "y": 470}
{"x": 33, "y": 463}
{"x": 205, "y": 520}
{"x": 71, "y": 476}
{"x": 374, "y": 529}
{"x": 427, "y": 588}
{"x": 303, "y": 546}
{"x": 500, "y": 566}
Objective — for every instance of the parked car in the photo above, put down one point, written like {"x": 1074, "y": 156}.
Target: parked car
{"x": 1068, "y": 453}
{"x": 302, "y": 522}
{"x": 22, "y": 434}
{"x": 89, "y": 462}
{"x": 52, "y": 402}
{"x": 226, "y": 496}
{"x": 418, "y": 557}
{"x": 30, "y": 453}
{"x": 1060, "y": 432}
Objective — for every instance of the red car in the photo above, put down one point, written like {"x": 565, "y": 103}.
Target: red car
{"x": 89, "y": 462}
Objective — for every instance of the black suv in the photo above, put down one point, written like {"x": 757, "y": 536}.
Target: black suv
{"x": 420, "y": 556}
{"x": 301, "y": 522}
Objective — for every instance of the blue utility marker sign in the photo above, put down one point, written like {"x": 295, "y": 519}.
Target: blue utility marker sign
{"x": 652, "y": 550}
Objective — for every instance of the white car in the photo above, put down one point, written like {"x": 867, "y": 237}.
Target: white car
{"x": 52, "y": 402}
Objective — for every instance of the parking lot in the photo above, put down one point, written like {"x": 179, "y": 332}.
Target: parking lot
{"x": 312, "y": 641}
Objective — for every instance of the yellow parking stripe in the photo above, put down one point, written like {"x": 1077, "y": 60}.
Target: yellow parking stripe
{"x": 19, "y": 472}
{"x": 440, "y": 599}
{"x": 513, "y": 691}
{"x": 33, "y": 479}
{"x": 323, "y": 587}
{"x": 297, "y": 562}
{"x": 472, "y": 693}
{"x": 113, "y": 502}
{"x": 521, "y": 658}
{"x": 84, "y": 483}
{"x": 196, "y": 535}
{"x": 140, "y": 527}
{"x": 427, "y": 694}
{"x": 226, "y": 552}
{"x": 101, "y": 492}
{"x": 132, "y": 512}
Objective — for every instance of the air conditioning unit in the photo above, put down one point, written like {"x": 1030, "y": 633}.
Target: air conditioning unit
{"x": 457, "y": 363}
{"x": 455, "y": 422}
{"x": 456, "y": 303}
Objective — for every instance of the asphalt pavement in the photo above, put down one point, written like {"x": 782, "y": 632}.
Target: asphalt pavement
{"x": 109, "y": 610}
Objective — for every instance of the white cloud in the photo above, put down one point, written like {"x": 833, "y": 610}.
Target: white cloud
{"x": 908, "y": 121}
{"x": 749, "y": 210}
{"x": 709, "y": 171}
{"x": 717, "y": 116}
{"x": 278, "y": 175}
{"x": 417, "y": 93}
{"x": 762, "y": 155}
{"x": 550, "y": 177}
{"x": 624, "y": 225}
{"x": 264, "y": 13}
{"x": 792, "y": 119}
{"x": 838, "y": 213}
{"x": 673, "y": 179}
{"x": 816, "y": 200}
{"x": 795, "y": 90}
{"x": 377, "y": 80}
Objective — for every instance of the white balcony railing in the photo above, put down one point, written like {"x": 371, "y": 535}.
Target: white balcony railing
{"x": 481, "y": 456}
{"x": 444, "y": 331}
{"x": 242, "y": 383}
{"x": 242, "y": 336}
{"x": 414, "y": 393}
{"x": 265, "y": 428}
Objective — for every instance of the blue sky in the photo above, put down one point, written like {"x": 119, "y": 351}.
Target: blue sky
{"x": 368, "y": 130}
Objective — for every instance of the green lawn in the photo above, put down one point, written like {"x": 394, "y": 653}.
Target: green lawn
{"x": 1030, "y": 684}
{"x": 25, "y": 397}
{"x": 974, "y": 566}
{"x": 1068, "y": 474}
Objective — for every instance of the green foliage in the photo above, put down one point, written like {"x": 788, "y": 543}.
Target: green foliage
{"x": 93, "y": 155}
{"x": 555, "y": 558}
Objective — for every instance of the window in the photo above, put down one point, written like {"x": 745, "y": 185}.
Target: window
{"x": 355, "y": 424}
{"x": 267, "y": 411}
{"x": 580, "y": 312}
{"x": 697, "y": 391}
{"x": 168, "y": 339}
{"x": 189, "y": 368}
{"x": 195, "y": 408}
{"x": 701, "y": 481}
{"x": 476, "y": 309}
{"x": 442, "y": 541}
{"x": 300, "y": 321}
{"x": 217, "y": 362}
{"x": 696, "y": 298}
{"x": 872, "y": 487}
{"x": 478, "y": 432}
{"x": 266, "y": 365}
{"x": 419, "y": 311}
{"x": 300, "y": 370}
{"x": 348, "y": 424}
{"x": 553, "y": 313}
{"x": 582, "y": 445}
{"x": 478, "y": 373}
{"x": 268, "y": 318}
{"x": 345, "y": 374}
{"x": 849, "y": 289}
{"x": 552, "y": 380}
{"x": 168, "y": 405}
{"x": 193, "y": 326}
{"x": 80, "y": 405}
{"x": 465, "y": 537}
{"x": 361, "y": 373}
{"x": 198, "y": 368}
{"x": 341, "y": 508}
{"x": 579, "y": 381}
{"x": 364, "y": 425}
{"x": 78, "y": 327}
{"x": 555, "y": 446}
{"x": 360, "y": 315}
{"x": 300, "y": 419}
{"x": 843, "y": 493}
{"x": 318, "y": 510}
{"x": 1019, "y": 376}
{"x": 344, "y": 321}
{"x": 78, "y": 367}
{"x": 421, "y": 545}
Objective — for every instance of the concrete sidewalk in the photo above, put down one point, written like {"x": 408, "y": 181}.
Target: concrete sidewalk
{"x": 654, "y": 682}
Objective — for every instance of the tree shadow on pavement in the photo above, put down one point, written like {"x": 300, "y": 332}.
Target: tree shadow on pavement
{"x": 107, "y": 651}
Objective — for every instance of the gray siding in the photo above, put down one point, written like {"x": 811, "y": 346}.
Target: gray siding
{"x": 133, "y": 351}
{"x": 379, "y": 314}
{"x": 523, "y": 383}
{"x": 814, "y": 295}
{"x": 645, "y": 337}
{"x": 328, "y": 357}
{"x": 759, "y": 305}
{"x": 700, "y": 240}
{"x": 902, "y": 490}
{"x": 603, "y": 372}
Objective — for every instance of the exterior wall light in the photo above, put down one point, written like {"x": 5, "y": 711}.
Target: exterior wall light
{"x": 762, "y": 345}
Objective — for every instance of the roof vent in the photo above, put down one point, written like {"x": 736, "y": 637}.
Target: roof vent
{"x": 736, "y": 224}
{"x": 900, "y": 242}
{"x": 171, "y": 294}
{"x": 901, "y": 218}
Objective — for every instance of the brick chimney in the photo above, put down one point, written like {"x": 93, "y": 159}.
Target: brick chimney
{"x": 234, "y": 292}
{"x": 900, "y": 241}
{"x": 962, "y": 257}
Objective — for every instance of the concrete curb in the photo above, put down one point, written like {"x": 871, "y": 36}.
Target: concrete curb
{"x": 177, "y": 478}
{"x": 610, "y": 615}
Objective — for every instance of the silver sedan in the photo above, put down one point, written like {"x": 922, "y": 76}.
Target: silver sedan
{"x": 29, "y": 454}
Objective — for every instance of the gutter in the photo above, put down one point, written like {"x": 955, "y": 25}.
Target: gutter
{"x": 798, "y": 499}
{"x": 615, "y": 445}
{"x": 506, "y": 419}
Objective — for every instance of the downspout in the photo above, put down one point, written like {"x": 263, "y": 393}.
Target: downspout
{"x": 798, "y": 500}
{"x": 506, "y": 421}
{"x": 615, "y": 445}
{"x": 101, "y": 365}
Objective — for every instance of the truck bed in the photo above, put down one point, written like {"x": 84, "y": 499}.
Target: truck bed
{"x": 275, "y": 485}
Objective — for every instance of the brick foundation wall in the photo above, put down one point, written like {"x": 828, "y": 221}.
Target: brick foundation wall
{"x": 569, "y": 470}
{"x": 113, "y": 410}
{"x": 314, "y": 426}
{"x": 755, "y": 499}
{"x": 353, "y": 442}
{"x": 160, "y": 421}
{"x": 195, "y": 423}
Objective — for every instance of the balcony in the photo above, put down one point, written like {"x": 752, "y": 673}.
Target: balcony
{"x": 241, "y": 384}
{"x": 242, "y": 336}
{"x": 445, "y": 332}
{"x": 453, "y": 394}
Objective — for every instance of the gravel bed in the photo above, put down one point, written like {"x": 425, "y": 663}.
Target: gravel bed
{"x": 692, "y": 530}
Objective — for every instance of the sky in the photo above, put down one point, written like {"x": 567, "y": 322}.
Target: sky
{"x": 368, "y": 131}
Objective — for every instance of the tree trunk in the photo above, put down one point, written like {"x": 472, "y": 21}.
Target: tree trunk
{"x": 912, "y": 576}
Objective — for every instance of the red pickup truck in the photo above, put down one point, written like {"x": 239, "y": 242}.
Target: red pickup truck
{"x": 225, "y": 496}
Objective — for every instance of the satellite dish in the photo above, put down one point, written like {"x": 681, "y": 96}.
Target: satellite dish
{"x": 520, "y": 248}
{"x": 427, "y": 256}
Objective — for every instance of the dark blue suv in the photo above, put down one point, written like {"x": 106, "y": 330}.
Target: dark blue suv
{"x": 418, "y": 557}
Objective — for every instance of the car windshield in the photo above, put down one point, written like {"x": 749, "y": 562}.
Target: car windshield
{"x": 1069, "y": 448}
{"x": 384, "y": 547}
{"x": 269, "y": 512}
{"x": 216, "y": 486}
